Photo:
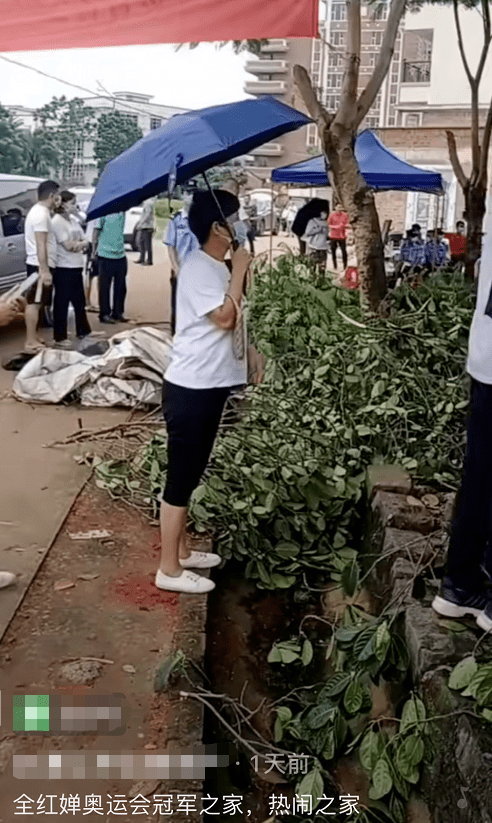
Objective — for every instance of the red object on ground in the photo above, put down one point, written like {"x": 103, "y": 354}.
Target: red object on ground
{"x": 352, "y": 277}
{"x": 68, "y": 24}
{"x": 338, "y": 224}
{"x": 141, "y": 591}
{"x": 457, "y": 244}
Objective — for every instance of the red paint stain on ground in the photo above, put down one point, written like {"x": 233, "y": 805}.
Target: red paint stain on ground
{"x": 141, "y": 591}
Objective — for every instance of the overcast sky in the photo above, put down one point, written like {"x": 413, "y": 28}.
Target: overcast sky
{"x": 188, "y": 78}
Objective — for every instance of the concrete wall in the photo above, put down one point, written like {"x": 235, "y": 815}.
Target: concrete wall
{"x": 448, "y": 82}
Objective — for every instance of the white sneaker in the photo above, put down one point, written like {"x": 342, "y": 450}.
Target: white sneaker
{"x": 187, "y": 582}
{"x": 200, "y": 560}
{"x": 63, "y": 344}
{"x": 6, "y": 579}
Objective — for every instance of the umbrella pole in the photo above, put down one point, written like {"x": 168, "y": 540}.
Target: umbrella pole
{"x": 271, "y": 225}
{"x": 226, "y": 224}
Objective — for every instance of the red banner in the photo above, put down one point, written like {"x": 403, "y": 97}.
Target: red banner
{"x": 65, "y": 24}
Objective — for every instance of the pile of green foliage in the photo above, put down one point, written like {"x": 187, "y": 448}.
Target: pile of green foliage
{"x": 340, "y": 393}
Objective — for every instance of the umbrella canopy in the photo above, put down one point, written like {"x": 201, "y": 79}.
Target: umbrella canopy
{"x": 381, "y": 169}
{"x": 187, "y": 145}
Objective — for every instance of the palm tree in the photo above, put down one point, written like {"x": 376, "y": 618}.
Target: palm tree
{"x": 39, "y": 156}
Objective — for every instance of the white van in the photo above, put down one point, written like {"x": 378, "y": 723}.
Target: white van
{"x": 17, "y": 195}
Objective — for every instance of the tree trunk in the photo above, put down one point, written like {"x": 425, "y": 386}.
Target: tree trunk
{"x": 475, "y": 197}
{"x": 358, "y": 201}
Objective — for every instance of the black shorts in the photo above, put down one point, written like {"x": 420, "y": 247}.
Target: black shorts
{"x": 38, "y": 294}
{"x": 192, "y": 419}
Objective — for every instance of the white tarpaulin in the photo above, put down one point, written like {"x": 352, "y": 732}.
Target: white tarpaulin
{"x": 129, "y": 373}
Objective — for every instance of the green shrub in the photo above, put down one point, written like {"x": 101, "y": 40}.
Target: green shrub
{"x": 161, "y": 207}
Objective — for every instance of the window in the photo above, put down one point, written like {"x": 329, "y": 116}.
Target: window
{"x": 393, "y": 99}
{"x": 338, "y": 38}
{"x": 13, "y": 209}
{"x": 376, "y": 38}
{"x": 412, "y": 119}
{"x": 155, "y": 122}
{"x": 334, "y": 81}
{"x": 335, "y": 60}
{"x": 371, "y": 60}
{"x": 380, "y": 12}
{"x": 132, "y": 117}
{"x": 417, "y": 55}
{"x": 338, "y": 11}
{"x": 332, "y": 101}
{"x": 372, "y": 122}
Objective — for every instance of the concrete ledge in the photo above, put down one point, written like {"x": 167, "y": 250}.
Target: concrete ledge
{"x": 406, "y": 535}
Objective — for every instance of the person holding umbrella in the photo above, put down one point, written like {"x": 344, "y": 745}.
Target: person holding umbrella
{"x": 312, "y": 209}
{"x": 203, "y": 373}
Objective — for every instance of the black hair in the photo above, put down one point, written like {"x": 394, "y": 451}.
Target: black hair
{"x": 460, "y": 223}
{"x": 416, "y": 227}
{"x": 66, "y": 197}
{"x": 204, "y": 212}
{"x": 47, "y": 188}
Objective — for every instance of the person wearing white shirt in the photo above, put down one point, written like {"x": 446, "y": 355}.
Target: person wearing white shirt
{"x": 463, "y": 591}
{"x": 202, "y": 374}
{"x": 67, "y": 278}
{"x": 40, "y": 258}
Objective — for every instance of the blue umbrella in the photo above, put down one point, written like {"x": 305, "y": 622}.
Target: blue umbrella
{"x": 187, "y": 145}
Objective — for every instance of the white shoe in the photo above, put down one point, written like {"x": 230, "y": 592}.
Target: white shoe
{"x": 200, "y": 560}
{"x": 63, "y": 344}
{"x": 187, "y": 582}
{"x": 6, "y": 579}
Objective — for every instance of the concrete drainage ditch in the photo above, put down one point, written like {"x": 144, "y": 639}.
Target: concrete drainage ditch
{"x": 403, "y": 556}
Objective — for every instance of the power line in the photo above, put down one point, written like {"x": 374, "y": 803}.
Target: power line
{"x": 112, "y": 98}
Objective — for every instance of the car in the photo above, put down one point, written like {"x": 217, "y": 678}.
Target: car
{"x": 262, "y": 222}
{"x": 17, "y": 194}
{"x": 132, "y": 216}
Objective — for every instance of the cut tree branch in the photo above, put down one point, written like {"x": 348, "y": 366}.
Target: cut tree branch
{"x": 348, "y": 95}
{"x": 370, "y": 92}
{"x": 470, "y": 76}
{"x": 486, "y": 41}
{"x": 455, "y": 161}
{"x": 316, "y": 110}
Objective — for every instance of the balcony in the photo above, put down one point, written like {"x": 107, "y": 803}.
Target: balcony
{"x": 416, "y": 71}
{"x": 266, "y": 66}
{"x": 275, "y": 47}
{"x": 265, "y": 87}
{"x": 268, "y": 150}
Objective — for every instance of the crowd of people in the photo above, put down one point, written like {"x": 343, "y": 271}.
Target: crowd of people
{"x": 205, "y": 242}
{"x": 58, "y": 248}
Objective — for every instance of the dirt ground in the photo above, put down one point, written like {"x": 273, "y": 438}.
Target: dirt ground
{"x": 105, "y": 605}
{"x": 106, "y": 633}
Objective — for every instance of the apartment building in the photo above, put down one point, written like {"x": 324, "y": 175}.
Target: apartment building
{"x": 272, "y": 70}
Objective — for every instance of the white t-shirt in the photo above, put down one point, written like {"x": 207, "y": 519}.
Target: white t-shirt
{"x": 479, "y": 363}
{"x": 67, "y": 229}
{"x": 39, "y": 220}
{"x": 202, "y": 355}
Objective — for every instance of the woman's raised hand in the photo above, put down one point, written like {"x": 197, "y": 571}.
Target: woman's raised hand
{"x": 241, "y": 260}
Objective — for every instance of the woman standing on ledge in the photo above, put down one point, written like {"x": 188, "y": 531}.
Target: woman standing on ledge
{"x": 201, "y": 376}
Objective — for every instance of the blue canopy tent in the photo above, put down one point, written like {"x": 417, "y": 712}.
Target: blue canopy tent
{"x": 381, "y": 169}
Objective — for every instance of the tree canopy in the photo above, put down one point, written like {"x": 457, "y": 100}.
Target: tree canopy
{"x": 116, "y": 132}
